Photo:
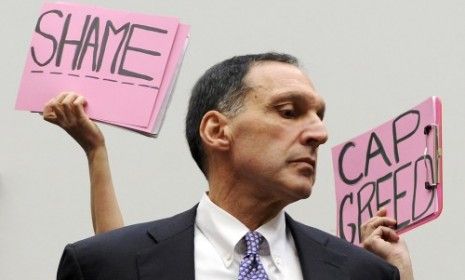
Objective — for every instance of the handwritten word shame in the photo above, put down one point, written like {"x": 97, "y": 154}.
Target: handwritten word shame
{"x": 122, "y": 62}
{"x": 91, "y": 42}
{"x": 385, "y": 167}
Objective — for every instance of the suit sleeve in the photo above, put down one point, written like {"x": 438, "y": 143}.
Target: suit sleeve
{"x": 69, "y": 268}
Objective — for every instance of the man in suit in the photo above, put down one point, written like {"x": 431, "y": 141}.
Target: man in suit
{"x": 254, "y": 126}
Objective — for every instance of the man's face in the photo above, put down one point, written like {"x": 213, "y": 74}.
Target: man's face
{"x": 276, "y": 135}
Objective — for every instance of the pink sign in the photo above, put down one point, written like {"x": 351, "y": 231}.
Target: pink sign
{"x": 167, "y": 84}
{"x": 116, "y": 59}
{"x": 397, "y": 165}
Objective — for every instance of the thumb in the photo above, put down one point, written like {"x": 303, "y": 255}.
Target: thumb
{"x": 48, "y": 113}
{"x": 81, "y": 103}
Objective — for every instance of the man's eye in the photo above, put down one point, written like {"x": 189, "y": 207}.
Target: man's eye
{"x": 288, "y": 113}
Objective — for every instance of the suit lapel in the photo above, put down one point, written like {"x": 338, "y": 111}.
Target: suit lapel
{"x": 317, "y": 261}
{"x": 172, "y": 254}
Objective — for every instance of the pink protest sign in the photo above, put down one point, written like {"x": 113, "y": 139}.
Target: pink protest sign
{"x": 167, "y": 84}
{"x": 397, "y": 165}
{"x": 115, "y": 59}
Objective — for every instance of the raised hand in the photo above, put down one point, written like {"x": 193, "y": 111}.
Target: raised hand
{"x": 67, "y": 111}
{"x": 379, "y": 236}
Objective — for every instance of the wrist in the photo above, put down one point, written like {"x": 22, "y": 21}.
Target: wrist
{"x": 95, "y": 151}
{"x": 403, "y": 263}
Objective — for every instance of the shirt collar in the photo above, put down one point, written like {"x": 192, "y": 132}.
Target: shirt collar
{"x": 224, "y": 232}
{"x": 274, "y": 232}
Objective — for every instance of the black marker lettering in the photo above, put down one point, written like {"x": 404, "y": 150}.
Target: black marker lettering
{"x": 127, "y": 48}
{"x": 367, "y": 205}
{"x": 398, "y": 196}
{"x": 379, "y": 150}
{"x": 379, "y": 203}
{"x": 396, "y": 140}
{"x": 352, "y": 226}
{"x": 416, "y": 181}
{"x": 48, "y": 36}
{"x": 64, "y": 41}
{"x": 109, "y": 26}
{"x": 341, "y": 163}
{"x": 93, "y": 30}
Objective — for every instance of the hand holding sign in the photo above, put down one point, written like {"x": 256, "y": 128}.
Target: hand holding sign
{"x": 124, "y": 63}
{"x": 396, "y": 165}
{"x": 379, "y": 237}
{"x": 67, "y": 111}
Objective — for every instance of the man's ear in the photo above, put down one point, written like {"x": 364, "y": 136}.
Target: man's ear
{"x": 214, "y": 130}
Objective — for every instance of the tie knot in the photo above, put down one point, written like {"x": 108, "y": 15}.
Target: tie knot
{"x": 253, "y": 240}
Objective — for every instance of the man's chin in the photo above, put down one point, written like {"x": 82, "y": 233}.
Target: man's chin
{"x": 306, "y": 193}
{"x": 302, "y": 191}
{"x": 296, "y": 187}
{"x": 307, "y": 187}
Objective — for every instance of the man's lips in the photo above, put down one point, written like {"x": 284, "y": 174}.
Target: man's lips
{"x": 306, "y": 160}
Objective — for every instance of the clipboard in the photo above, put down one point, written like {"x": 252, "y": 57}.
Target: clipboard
{"x": 434, "y": 148}
{"x": 397, "y": 165}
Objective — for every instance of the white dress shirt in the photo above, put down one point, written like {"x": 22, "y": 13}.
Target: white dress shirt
{"x": 219, "y": 248}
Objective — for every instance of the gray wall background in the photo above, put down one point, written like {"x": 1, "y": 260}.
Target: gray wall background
{"x": 371, "y": 60}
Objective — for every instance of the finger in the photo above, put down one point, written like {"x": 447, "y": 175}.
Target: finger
{"x": 58, "y": 100}
{"x": 380, "y": 221}
{"x": 57, "y": 106}
{"x": 57, "y": 109}
{"x": 48, "y": 112}
{"x": 53, "y": 111}
{"x": 80, "y": 102}
{"x": 382, "y": 212}
{"x": 375, "y": 222}
{"x": 387, "y": 234}
{"x": 68, "y": 106}
{"x": 61, "y": 97}
{"x": 53, "y": 99}
{"x": 379, "y": 239}
{"x": 50, "y": 116}
{"x": 69, "y": 97}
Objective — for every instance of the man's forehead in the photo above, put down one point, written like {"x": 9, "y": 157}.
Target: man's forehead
{"x": 274, "y": 70}
{"x": 278, "y": 77}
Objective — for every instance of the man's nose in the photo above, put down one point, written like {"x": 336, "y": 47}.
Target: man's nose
{"x": 314, "y": 133}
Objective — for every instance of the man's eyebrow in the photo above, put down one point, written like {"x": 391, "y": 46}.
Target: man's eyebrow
{"x": 300, "y": 96}
{"x": 315, "y": 101}
{"x": 287, "y": 95}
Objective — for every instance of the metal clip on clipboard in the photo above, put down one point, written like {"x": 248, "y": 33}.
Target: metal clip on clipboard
{"x": 428, "y": 130}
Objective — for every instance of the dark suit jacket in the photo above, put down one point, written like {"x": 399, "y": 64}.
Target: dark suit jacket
{"x": 164, "y": 249}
